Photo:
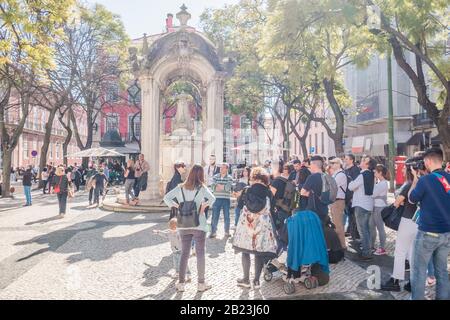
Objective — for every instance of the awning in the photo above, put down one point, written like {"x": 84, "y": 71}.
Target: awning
{"x": 436, "y": 140}
{"x": 95, "y": 152}
{"x": 420, "y": 138}
{"x": 125, "y": 150}
{"x": 358, "y": 144}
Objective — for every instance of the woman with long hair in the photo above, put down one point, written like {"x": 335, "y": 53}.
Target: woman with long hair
{"x": 406, "y": 233}
{"x": 254, "y": 232}
{"x": 179, "y": 169}
{"x": 379, "y": 195}
{"x": 193, "y": 190}
{"x": 61, "y": 185}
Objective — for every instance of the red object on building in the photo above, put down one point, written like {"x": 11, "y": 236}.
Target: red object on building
{"x": 399, "y": 165}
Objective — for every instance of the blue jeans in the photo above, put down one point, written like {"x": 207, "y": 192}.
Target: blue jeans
{"x": 363, "y": 222}
{"x": 430, "y": 268}
{"x": 176, "y": 257}
{"x": 27, "y": 191}
{"x": 237, "y": 214}
{"x": 218, "y": 205}
{"x": 345, "y": 217}
{"x": 426, "y": 246}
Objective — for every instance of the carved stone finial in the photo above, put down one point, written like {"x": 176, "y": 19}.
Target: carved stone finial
{"x": 183, "y": 16}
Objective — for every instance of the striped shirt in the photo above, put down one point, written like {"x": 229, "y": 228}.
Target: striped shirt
{"x": 226, "y": 182}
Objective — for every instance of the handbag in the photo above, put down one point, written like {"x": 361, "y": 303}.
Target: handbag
{"x": 392, "y": 216}
{"x": 57, "y": 188}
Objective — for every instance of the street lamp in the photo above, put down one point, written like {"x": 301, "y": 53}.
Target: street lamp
{"x": 374, "y": 24}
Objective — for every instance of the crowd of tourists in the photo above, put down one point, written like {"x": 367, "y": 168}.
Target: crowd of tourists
{"x": 350, "y": 201}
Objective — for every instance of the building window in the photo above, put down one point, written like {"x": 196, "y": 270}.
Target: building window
{"x": 57, "y": 151}
{"x": 322, "y": 136}
{"x": 137, "y": 127}
{"x": 50, "y": 149}
{"x": 112, "y": 122}
{"x": 226, "y": 122}
{"x": 25, "y": 149}
{"x": 310, "y": 142}
{"x": 316, "y": 144}
{"x": 134, "y": 95}
{"x": 112, "y": 93}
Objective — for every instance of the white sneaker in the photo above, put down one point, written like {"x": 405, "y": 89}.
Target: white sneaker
{"x": 175, "y": 275}
{"x": 203, "y": 287}
{"x": 180, "y": 287}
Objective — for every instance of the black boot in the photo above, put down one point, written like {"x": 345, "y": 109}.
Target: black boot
{"x": 407, "y": 286}
{"x": 391, "y": 285}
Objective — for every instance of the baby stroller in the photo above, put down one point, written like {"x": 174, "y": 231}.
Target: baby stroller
{"x": 305, "y": 260}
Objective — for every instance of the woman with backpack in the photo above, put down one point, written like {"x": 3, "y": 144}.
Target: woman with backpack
{"x": 61, "y": 186}
{"x": 189, "y": 199}
{"x": 255, "y": 232}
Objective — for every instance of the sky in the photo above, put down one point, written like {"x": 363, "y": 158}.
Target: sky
{"x": 149, "y": 16}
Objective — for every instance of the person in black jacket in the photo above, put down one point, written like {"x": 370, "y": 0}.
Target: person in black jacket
{"x": 180, "y": 169}
{"x": 26, "y": 181}
{"x": 61, "y": 187}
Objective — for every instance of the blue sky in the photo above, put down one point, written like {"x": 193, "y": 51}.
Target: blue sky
{"x": 149, "y": 16}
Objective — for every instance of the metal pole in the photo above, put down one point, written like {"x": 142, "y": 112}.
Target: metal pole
{"x": 391, "y": 122}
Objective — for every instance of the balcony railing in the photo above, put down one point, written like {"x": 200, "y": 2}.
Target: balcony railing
{"x": 422, "y": 120}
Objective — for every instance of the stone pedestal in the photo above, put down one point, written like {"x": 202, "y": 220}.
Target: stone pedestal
{"x": 174, "y": 148}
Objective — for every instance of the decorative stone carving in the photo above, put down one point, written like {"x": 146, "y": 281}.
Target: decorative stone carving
{"x": 183, "y": 16}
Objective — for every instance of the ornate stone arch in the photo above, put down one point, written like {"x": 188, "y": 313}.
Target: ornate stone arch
{"x": 184, "y": 54}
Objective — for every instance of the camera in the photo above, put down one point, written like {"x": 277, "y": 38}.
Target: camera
{"x": 416, "y": 163}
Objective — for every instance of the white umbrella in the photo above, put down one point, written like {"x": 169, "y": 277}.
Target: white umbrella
{"x": 95, "y": 152}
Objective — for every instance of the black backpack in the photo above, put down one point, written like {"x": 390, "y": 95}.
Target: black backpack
{"x": 335, "y": 251}
{"x": 187, "y": 214}
{"x": 287, "y": 203}
{"x": 348, "y": 193}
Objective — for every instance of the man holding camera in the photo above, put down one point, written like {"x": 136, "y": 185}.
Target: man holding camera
{"x": 432, "y": 191}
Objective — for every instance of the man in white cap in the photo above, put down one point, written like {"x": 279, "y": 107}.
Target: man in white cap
{"x": 337, "y": 208}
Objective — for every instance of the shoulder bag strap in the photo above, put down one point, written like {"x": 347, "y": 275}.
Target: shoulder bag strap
{"x": 182, "y": 194}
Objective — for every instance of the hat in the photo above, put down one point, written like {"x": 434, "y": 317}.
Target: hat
{"x": 336, "y": 160}
{"x": 224, "y": 164}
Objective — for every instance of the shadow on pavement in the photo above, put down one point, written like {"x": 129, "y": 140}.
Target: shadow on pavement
{"x": 94, "y": 246}
{"x": 42, "y": 221}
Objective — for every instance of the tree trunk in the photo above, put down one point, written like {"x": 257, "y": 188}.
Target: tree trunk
{"x": 338, "y": 135}
{"x": 444, "y": 129}
{"x": 304, "y": 149}
{"x": 7, "y": 159}
{"x": 46, "y": 143}
{"x": 67, "y": 140}
{"x": 439, "y": 117}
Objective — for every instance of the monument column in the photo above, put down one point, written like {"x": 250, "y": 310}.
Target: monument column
{"x": 150, "y": 132}
{"x": 214, "y": 119}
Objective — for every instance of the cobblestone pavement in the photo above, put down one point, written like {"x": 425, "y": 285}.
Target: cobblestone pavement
{"x": 94, "y": 254}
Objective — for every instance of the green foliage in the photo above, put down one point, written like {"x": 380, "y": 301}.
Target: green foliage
{"x": 28, "y": 30}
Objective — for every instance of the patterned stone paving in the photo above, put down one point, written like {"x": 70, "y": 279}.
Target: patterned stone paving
{"x": 95, "y": 254}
